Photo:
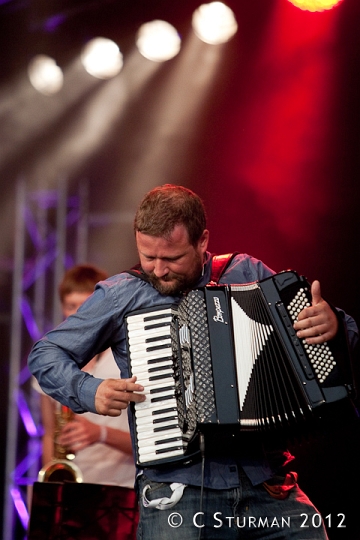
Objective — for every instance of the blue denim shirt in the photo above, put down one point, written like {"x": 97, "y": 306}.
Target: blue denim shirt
{"x": 98, "y": 324}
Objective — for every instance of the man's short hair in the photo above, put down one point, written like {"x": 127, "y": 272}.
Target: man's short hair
{"x": 81, "y": 278}
{"x": 169, "y": 205}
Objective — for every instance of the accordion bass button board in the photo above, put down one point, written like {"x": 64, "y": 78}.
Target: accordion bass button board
{"x": 226, "y": 355}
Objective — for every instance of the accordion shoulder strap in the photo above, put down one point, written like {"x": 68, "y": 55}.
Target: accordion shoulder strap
{"x": 138, "y": 272}
{"x": 219, "y": 265}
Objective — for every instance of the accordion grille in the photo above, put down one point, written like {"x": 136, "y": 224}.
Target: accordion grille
{"x": 205, "y": 395}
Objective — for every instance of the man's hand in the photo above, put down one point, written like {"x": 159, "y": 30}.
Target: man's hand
{"x": 114, "y": 395}
{"x": 79, "y": 433}
{"x": 317, "y": 323}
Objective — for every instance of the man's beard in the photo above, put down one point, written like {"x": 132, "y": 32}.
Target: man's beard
{"x": 174, "y": 284}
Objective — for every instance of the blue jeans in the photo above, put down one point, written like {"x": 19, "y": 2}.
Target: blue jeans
{"x": 246, "y": 512}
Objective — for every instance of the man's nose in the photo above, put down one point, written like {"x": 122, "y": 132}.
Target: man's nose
{"x": 160, "y": 268}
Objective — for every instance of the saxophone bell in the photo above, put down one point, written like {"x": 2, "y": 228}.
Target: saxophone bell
{"x": 60, "y": 468}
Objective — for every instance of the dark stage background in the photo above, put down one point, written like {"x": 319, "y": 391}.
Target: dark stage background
{"x": 266, "y": 128}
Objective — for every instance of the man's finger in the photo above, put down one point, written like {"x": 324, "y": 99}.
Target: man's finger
{"x": 113, "y": 395}
{"x": 316, "y": 293}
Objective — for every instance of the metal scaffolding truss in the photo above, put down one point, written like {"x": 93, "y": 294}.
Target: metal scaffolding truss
{"x": 51, "y": 234}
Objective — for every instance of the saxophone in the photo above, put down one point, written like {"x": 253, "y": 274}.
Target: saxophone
{"x": 61, "y": 468}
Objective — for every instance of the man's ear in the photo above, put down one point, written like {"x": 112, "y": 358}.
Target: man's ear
{"x": 204, "y": 240}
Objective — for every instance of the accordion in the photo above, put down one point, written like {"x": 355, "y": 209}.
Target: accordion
{"x": 226, "y": 355}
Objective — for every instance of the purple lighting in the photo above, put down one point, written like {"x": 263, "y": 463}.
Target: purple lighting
{"x": 29, "y": 320}
{"x": 20, "y": 507}
{"x": 53, "y": 22}
{"x": 26, "y": 417}
{"x": 23, "y": 467}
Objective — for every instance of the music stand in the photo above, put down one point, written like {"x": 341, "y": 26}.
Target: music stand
{"x": 76, "y": 511}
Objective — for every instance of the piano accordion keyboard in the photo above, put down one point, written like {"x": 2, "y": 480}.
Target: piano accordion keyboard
{"x": 158, "y": 434}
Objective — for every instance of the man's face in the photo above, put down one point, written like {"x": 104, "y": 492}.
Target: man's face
{"x": 72, "y": 302}
{"x": 172, "y": 264}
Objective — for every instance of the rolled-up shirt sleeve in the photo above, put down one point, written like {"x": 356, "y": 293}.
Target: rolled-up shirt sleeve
{"x": 351, "y": 328}
{"x": 57, "y": 358}
{"x": 54, "y": 377}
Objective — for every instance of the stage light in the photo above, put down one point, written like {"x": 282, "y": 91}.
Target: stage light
{"x": 158, "y": 41}
{"x": 315, "y": 5}
{"x": 214, "y": 23}
{"x": 101, "y": 57}
{"x": 45, "y": 75}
